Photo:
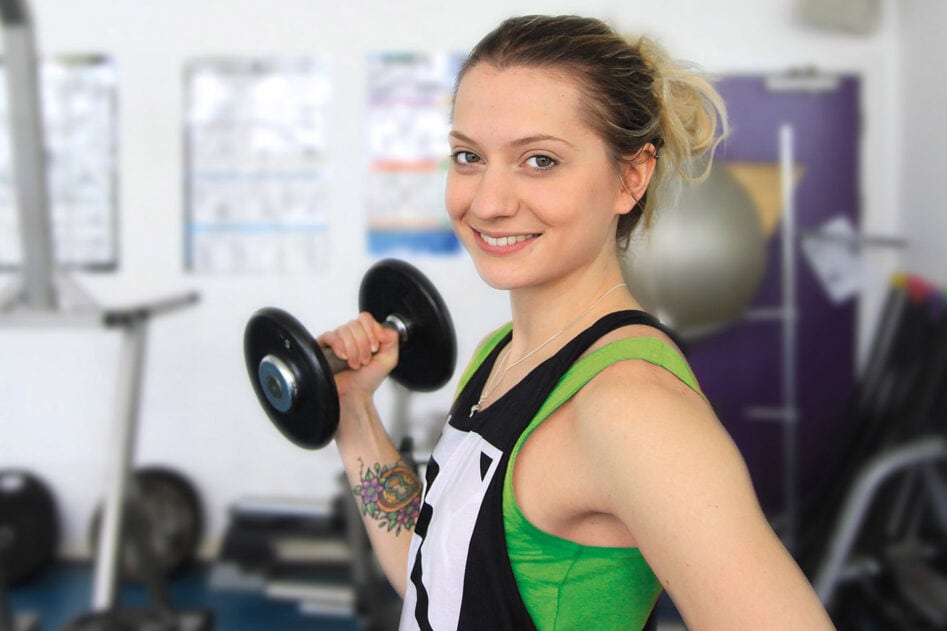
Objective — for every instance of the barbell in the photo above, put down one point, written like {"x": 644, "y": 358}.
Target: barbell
{"x": 294, "y": 378}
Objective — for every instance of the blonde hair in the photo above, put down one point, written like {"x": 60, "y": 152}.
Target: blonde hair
{"x": 636, "y": 95}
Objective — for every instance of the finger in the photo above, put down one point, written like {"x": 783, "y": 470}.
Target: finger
{"x": 373, "y": 329}
{"x": 332, "y": 341}
{"x": 367, "y": 342}
{"x": 386, "y": 335}
{"x": 348, "y": 346}
{"x": 353, "y": 341}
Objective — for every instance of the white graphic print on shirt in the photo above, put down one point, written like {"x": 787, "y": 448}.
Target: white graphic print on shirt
{"x": 465, "y": 463}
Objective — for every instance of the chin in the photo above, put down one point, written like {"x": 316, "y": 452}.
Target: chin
{"x": 494, "y": 281}
{"x": 505, "y": 277}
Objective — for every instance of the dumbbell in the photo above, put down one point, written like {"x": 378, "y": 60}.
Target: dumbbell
{"x": 294, "y": 378}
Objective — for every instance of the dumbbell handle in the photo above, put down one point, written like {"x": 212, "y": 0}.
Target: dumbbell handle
{"x": 279, "y": 380}
{"x": 394, "y": 322}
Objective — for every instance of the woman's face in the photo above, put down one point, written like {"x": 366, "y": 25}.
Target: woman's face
{"x": 531, "y": 191}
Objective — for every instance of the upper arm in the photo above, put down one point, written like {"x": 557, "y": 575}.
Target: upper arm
{"x": 666, "y": 467}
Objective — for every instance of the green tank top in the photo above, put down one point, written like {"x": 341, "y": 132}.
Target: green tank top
{"x": 566, "y": 585}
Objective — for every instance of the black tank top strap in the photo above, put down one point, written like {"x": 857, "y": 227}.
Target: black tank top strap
{"x": 606, "y": 324}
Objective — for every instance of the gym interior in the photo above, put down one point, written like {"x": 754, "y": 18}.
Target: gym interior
{"x": 207, "y": 159}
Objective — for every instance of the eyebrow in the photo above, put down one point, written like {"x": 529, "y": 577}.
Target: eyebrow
{"x": 516, "y": 143}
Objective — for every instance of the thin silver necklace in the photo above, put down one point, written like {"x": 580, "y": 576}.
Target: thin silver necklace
{"x": 493, "y": 383}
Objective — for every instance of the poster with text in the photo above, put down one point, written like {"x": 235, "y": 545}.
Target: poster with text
{"x": 408, "y": 121}
{"x": 79, "y": 128}
{"x": 256, "y": 176}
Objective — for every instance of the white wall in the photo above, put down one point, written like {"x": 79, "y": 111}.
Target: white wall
{"x": 198, "y": 411}
{"x": 923, "y": 93}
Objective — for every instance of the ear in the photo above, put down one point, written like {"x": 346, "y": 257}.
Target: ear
{"x": 635, "y": 172}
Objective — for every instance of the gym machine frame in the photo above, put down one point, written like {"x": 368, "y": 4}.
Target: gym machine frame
{"x": 42, "y": 297}
{"x": 922, "y": 453}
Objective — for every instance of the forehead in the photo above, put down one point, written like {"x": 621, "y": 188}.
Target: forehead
{"x": 519, "y": 101}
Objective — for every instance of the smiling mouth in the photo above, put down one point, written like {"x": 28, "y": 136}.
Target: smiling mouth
{"x": 504, "y": 241}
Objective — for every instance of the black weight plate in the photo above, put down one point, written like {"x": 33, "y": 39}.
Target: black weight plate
{"x": 426, "y": 359}
{"x": 313, "y": 417}
{"x": 173, "y": 515}
{"x": 29, "y": 526}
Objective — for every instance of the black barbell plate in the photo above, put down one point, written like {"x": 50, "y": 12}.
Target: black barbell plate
{"x": 427, "y": 358}
{"x": 312, "y": 418}
{"x": 171, "y": 508}
{"x": 29, "y": 526}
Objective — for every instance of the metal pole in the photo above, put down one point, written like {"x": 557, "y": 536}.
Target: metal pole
{"x": 128, "y": 394}
{"x": 28, "y": 155}
{"x": 789, "y": 331}
{"x": 400, "y": 425}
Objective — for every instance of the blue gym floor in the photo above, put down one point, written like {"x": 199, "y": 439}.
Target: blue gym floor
{"x": 64, "y": 592}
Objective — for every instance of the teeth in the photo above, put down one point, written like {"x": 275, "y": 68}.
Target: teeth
{"x": 504, "y": 241}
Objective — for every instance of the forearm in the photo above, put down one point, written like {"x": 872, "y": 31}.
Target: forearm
{"x": 386, "y": 489}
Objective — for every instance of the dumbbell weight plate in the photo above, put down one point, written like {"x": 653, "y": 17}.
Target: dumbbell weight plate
{"x": 298, "y": 387}
{"x": 426, "y": 358}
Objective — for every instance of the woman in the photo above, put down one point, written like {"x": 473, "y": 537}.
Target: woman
{"x": 581, "y": 470}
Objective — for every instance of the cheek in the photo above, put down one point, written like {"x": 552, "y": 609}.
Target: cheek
{"x": 563, "y": 203}
{"x": 455, "y": 196}
{"x": 602, "y": 199}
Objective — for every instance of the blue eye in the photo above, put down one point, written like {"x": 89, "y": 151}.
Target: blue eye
{"x": 541, "y": 162}
{"x": 465, "y": 157}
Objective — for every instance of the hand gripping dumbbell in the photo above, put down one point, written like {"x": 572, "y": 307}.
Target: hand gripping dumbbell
{"x": 293, "y": 377}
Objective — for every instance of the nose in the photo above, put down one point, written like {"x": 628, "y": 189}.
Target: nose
{"x": 495, "y": 194}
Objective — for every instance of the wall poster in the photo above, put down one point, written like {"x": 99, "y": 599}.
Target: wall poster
{"x": 79, "y": 114}
{"x": 256, "y": 176}
{"x": 408, "y": 121}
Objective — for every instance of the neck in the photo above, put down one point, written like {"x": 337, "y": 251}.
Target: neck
{"x": 546, "y": 317}
{"x": 568, "y": 305}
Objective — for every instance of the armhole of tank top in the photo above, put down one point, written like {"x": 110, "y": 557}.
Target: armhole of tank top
{"x": 652, "y": 350}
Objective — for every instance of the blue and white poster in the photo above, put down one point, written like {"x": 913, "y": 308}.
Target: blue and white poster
{"x": 408, "y": 122}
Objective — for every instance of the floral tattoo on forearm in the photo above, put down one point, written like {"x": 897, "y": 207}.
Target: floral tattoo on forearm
{"x": 391, "y": 495}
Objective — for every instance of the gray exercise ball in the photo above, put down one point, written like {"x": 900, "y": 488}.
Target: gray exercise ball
{"x": 700, "y": 263}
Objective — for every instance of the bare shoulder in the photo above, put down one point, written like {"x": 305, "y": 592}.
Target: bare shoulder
{"x": 656, "y": 438}
{"x": 655, "y": 443}
{"x": 666, "y": 467}
{"x": 648, "y": 405}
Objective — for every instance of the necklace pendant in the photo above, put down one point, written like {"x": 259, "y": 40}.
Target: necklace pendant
{"x": 474, "y": 409}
